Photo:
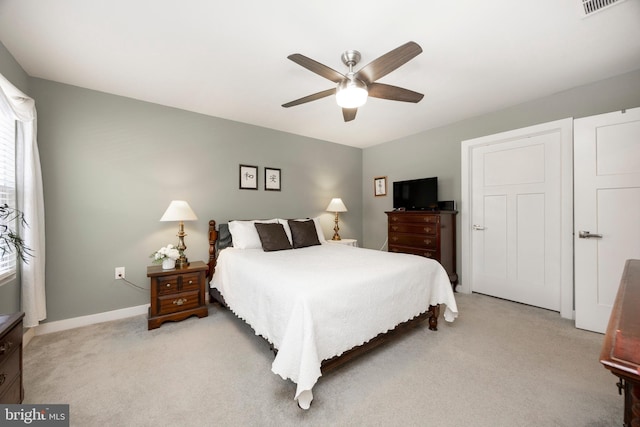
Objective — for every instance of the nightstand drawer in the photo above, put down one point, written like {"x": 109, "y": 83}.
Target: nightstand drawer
{"x": 9, "y": 343}
{"x": 179, "y": 302}
{"x": 9, "y": 371}
{"x": 172, "y": 284}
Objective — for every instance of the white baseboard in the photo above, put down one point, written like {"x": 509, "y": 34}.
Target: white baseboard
{"x": 92, "y": 319}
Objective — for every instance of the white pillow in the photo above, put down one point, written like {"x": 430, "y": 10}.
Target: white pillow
{"x": 316, "y": 221}
{"x": 245, "y": 235}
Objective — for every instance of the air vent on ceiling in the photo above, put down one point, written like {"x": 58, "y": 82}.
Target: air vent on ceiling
{"x": 589, "y": 7}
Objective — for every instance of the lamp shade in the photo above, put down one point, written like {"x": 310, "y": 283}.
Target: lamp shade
{"x": 179, "y": 210}
{"x": 336, "y": 205}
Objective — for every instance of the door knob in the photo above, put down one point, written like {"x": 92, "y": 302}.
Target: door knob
{"x": 587, "y": 235}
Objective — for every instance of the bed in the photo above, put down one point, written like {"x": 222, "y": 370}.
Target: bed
{"x": 319, "y": 303}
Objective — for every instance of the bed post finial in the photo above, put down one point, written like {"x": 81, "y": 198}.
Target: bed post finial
{"x": 213, "y": 238}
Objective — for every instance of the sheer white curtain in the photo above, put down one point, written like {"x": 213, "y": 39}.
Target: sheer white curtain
{"x": 17, "y": 105}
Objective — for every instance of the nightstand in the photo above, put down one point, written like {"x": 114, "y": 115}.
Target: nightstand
{"x": 348, "y": 242}
{"x": 177, "y": 293}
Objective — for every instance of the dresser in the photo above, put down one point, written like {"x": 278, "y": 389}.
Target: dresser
{"x": 11, "y": 389}
{"x": 621, "y": 348}
{"x": 430, "y": 234}
{"x": 177, "y": 293}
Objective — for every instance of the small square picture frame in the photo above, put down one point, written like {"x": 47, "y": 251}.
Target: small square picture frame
{"x": 380, "y": 186}
{"x": 272, "y": 179}
{"x": 248, "y": 177}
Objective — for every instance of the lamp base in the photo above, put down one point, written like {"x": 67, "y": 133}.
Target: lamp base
{"x": 336, "y": 236}
{"x": 182, "y": 262}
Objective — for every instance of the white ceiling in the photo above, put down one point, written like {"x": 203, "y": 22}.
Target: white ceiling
{"x": 229, "y": 58}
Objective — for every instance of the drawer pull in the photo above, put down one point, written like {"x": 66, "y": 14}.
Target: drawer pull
{"x": 5, "y": 347}
{"x": 3, "y": 378}
{"x": 168, "y": 285}
{"x": 179, "y": 301}
{"x": 394, "y": 238}
{"x": 190, "y": 281}
{"x": 427, "y": 241}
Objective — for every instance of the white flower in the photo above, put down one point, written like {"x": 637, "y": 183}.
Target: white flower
{"x": 168, "y": 251}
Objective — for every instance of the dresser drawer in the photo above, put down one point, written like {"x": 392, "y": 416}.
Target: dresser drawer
{"x": 414, "y": 228}
{"x": 414, "y": 219}
{"x": 13, "y": 393}
{"x": 10, "y": 342}
{"x": 173, "y": 284}
{"x": 414, "y": 251}
{"x": 9, "y": 371}
{"x": 419, "y": 241}
{"x": 179, "y": 302}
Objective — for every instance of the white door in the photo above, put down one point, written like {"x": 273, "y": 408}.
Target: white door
{"x": 607, "y": 210}
{"x": 518, "y": 224}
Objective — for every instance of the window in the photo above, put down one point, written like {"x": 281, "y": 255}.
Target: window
{"x": 8, "y": 186}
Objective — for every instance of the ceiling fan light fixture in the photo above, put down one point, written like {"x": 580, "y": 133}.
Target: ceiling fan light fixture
{"x": 351, "y": 93}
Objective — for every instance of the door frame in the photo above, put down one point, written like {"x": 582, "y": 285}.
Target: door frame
{"x": 565, "y": 128}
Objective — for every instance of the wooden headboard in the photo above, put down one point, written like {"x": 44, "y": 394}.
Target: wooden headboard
{"x": 213, "y": 238}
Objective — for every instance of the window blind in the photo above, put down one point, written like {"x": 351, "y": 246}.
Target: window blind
{"x": 7, "y": 188}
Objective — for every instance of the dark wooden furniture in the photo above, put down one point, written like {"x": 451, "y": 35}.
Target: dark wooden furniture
{"x": 621, "y": 349}
{"x": 329, "y": 364}
{"x": 177, "y": 293}
{"x": 11, "y": 388}
{"x": 428, "y": 234}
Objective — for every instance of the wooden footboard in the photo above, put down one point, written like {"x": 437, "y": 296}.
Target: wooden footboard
{"x": 335, "y": 362}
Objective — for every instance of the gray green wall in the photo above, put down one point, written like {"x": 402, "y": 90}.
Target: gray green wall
{"x": 438, "y": 152}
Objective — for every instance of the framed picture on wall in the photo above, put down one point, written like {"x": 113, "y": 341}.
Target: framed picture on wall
{"x": 272, "y": 179}
{"x": 248, "y": 177}
{"x": 380, "y": 186}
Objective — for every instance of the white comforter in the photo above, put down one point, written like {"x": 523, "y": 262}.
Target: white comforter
{"x": 317, "y": 302}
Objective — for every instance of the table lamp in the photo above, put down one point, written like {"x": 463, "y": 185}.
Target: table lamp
{"x": 179, "y": 210}
{"x": 336, "y": 205}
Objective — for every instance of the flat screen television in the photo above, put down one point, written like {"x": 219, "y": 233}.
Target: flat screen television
{"x": 416, "y": 194}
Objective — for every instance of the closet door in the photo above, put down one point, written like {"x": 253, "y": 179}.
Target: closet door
{"x": 518, "y": 222}
{"x": 607, "y": 210}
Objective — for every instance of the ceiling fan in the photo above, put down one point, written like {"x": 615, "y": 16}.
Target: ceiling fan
{"x": 353, "y": 88}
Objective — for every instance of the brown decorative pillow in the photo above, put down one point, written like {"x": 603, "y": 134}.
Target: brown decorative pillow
{"x": 303, "y": 233}
{"x": 272, "y": 236}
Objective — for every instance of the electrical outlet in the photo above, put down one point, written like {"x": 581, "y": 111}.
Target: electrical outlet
{"x": 119, "y": 272}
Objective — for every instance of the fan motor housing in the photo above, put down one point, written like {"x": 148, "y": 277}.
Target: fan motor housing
{"x": 351, "y": 58}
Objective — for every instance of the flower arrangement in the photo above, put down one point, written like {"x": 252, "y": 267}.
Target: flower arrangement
{"x": 167, "y": 252}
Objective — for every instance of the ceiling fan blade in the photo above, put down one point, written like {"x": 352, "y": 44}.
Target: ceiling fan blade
{"x": 388, "y": 62}
{"x": 349, "y": 114}
{"x": 310, "y": 98}
{"x": 316, "y": 67}
{"x": 394, "y": 93}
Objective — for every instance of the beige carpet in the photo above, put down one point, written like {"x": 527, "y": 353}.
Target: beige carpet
{"x": 499, "y": 364}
